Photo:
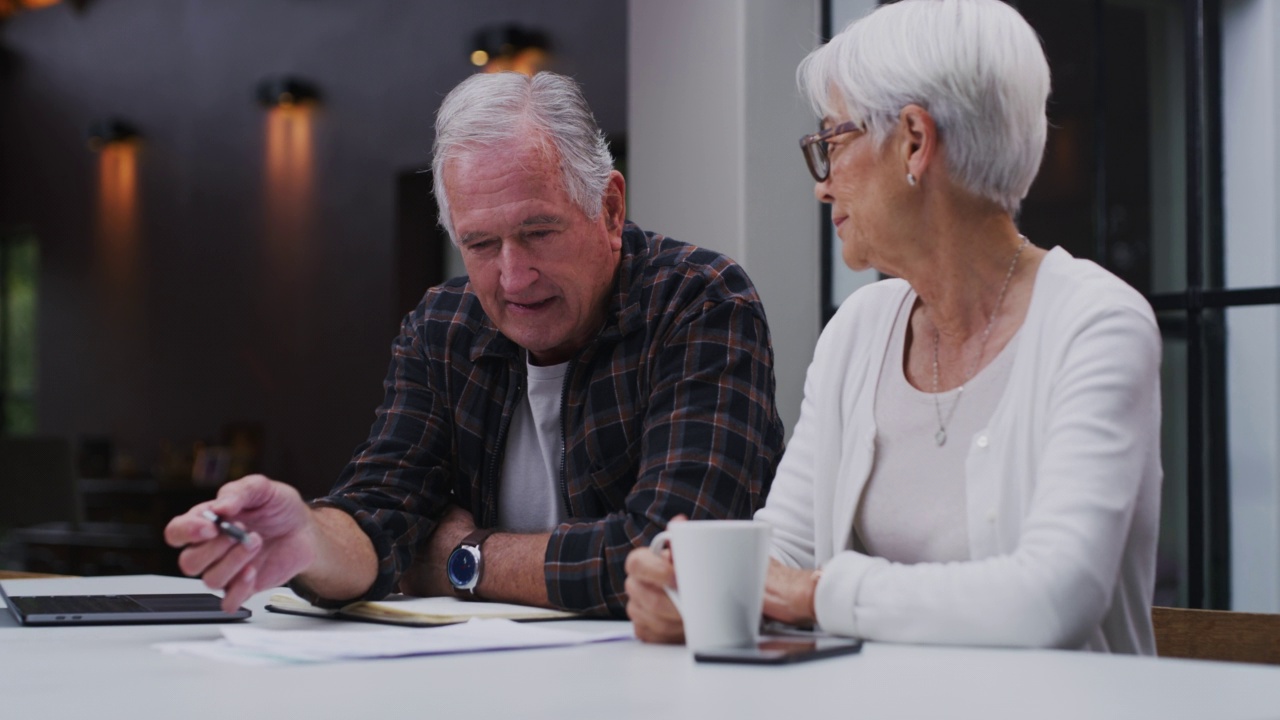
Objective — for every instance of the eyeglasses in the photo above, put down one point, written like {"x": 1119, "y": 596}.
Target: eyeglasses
{"x": 815, "y": 151}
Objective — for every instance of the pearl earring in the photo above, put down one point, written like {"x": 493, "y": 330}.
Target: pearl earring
{"x": 911, "y": 180}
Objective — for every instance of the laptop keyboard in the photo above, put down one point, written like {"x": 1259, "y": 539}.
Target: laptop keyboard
{"x": 77, "y": 604}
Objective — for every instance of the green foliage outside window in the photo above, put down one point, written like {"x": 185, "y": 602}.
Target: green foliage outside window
{"x": 21, "y": 266}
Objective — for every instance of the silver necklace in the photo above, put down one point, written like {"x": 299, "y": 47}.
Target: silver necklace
{"x": 941, "y": 435}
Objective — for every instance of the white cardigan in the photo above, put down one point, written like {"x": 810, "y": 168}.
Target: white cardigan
{"x": 1062, "y": 487}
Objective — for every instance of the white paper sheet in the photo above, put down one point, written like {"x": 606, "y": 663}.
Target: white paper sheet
{"x": 250, "y": 645}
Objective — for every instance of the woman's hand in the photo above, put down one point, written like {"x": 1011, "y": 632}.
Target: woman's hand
{"x": 788, "y": 594}
{"x": 655, "y": 617}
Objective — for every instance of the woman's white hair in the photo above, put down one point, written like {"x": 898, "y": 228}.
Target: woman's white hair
{"x": 976, "y": 66}
{"x": 486, "y": 110}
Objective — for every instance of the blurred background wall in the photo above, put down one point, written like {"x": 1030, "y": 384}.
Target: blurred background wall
{"x": 231, "y": 269}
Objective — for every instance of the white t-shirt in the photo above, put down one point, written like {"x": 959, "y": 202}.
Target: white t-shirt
{"x": 913, "y": 507}
{"x": 529, "y": 497}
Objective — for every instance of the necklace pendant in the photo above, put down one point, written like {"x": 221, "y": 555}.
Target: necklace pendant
{"x": 941, "y": 437}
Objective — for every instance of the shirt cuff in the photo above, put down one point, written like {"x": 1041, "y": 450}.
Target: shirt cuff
{"x": 835, "y": 600}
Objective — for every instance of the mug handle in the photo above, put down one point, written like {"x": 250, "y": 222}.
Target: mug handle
{"x": 659, "y": 543}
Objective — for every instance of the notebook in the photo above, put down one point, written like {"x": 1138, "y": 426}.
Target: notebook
{"x": 416, "y": 611}
{"x": 117, "y": 609}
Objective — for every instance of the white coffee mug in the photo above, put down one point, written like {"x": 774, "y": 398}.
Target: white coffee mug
{"x": 720, "y": 569}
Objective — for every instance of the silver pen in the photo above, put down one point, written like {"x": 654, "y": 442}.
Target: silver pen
{"x": 235, "y": 532}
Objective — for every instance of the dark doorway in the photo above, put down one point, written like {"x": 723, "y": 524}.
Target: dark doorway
{"x": 420, "y": 241}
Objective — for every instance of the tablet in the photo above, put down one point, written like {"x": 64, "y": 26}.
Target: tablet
{"x": 782, "y": 650}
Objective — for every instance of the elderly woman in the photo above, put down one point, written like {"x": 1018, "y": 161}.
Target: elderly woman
{"x": 977, "y": 456}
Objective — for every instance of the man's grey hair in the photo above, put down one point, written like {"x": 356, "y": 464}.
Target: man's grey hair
{"x": 487, "y": 110}
{"x": 976, "y": 66}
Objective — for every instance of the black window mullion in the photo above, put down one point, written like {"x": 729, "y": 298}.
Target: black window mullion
{"x": 1218, "y": 470}
{"x": 1099, "y": 56}
{"x": 827, "y": 282}
{"x": 1218, "y": 298}
{"x": 1194, "y": 27}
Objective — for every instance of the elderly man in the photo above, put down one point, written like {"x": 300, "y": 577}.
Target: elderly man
{"x": 587, "y": 382}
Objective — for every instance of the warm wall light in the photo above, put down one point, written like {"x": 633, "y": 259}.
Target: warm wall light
{"x": 116, "y": 214}
{"x": 499, "y": 48}
{"x": 286, "y": 91}
{"x": 13, "y": 7}
{"x": 108, "y": 131}
{"x": 289, "y": 179}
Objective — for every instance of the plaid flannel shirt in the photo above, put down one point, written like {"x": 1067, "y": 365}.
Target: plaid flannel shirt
{"x": 668, "y": 410}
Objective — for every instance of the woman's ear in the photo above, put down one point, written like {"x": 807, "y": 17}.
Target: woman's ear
{"x": 919, "y": 141}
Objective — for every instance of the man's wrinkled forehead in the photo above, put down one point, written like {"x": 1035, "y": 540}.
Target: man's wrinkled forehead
{"x": 527, "y": 144}
{"x": 504, "y": 158}
{"x": 497, "y": 190}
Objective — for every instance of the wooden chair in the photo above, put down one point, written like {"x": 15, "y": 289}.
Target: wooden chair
{"x": 1217, "y": 635}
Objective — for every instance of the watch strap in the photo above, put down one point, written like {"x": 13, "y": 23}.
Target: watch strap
{"x": 477, "y": 537}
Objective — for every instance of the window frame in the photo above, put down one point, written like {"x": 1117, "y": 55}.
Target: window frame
{"x": 1197, "y": 313}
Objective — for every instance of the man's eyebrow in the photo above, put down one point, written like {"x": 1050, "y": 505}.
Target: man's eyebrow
{"x": 472, "y": 237}
{"x": 531, "y": 221}
{"x": 542, "y": 220}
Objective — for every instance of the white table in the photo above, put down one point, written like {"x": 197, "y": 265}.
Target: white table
{"x": 102, "y": 673}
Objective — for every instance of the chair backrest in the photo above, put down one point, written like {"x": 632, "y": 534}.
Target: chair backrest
{"x": 37, "y": 481}
{"x": 1217, "y": 635}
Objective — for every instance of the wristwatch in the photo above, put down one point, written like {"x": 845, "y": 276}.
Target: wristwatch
{"x": 465, "y": 563}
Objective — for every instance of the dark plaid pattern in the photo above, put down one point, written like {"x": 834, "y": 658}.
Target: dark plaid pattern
{"x": 669, "y": 410}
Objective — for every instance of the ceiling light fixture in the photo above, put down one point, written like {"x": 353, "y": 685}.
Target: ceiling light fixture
{"x": 286, "y": 91}
{"x": 109, "y": 131}
{"x": 498, "y": 48}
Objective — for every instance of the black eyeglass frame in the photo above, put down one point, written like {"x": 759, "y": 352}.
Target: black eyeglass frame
{"x": 814, "y": 147}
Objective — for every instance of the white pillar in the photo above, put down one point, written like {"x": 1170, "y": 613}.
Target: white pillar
{"x": 714, "y": 119}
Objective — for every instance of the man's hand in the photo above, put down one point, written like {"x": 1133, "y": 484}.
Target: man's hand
{"x": 324, "y": 548}
{"x": 281, "y": 542}
{"x": 427, "y": 577}
{"x": 788, "y": 594}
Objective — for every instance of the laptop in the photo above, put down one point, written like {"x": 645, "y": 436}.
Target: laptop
{"x": 117, "y": 609}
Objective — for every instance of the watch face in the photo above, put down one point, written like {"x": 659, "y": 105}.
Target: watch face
{"x": 462, "y": 567}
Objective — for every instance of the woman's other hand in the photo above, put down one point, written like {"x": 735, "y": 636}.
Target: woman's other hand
{"x": 788, "y": 594}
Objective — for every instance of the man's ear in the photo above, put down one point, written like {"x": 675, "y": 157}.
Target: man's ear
{"x": 614, "y": 205}
{"x": 918, "y": 142}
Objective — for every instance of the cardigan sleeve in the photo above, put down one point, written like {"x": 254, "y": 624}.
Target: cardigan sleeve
{"x": 789, "y": 509}
{"x": 1100, "y": 432}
